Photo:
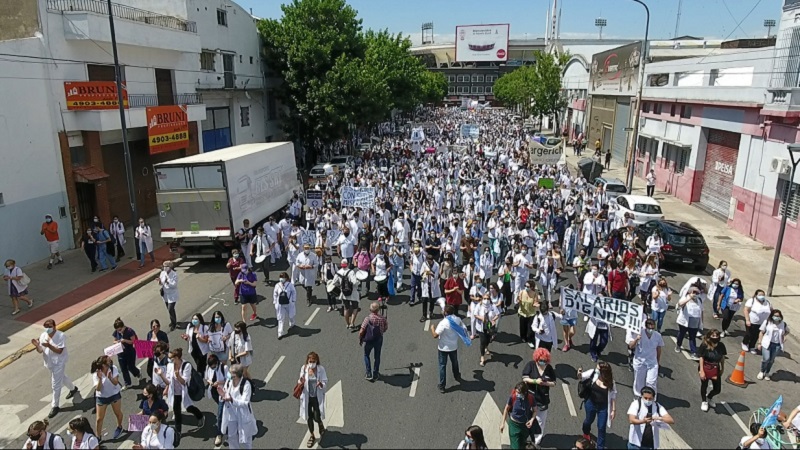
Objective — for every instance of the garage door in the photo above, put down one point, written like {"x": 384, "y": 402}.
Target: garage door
{"x": 720, "y": 168}
{"x": 619, "y": 149}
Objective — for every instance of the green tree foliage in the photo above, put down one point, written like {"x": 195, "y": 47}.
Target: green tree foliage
{"x": 535, "y": 89}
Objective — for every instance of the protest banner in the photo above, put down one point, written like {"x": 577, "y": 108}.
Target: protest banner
{"x": 544, "y": 155}
{"x": 309, "y": 237}
{"x": 137, "y": 422}
{"x": 547, "y": 183}
{"x": 333, "y": 237}
{"x": 314, "y": 199}
{"x": 358, "y": 197}
{"x": 144, "y": 349}
{"x": 113, "y": 349}
{"x": 615, "y": 312}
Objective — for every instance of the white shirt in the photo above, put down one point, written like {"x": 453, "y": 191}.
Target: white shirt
{"x": 593, "y": 284}
{"x": 161, "y": 440}
{"x": 759, "y": 311}
{"x": 489, "y": 313}
{"x": 660, "y": 302}
{"x": 639, "y": 410}
{"x": 347, "y": 245}
{"x": 58, "y": 340}
{"x": 448, "y": 339}
{"x": 647, "y": 348}
{"x": 380, "y": 265}
{"x": 759, "y": 443}
{"x": 107, "y": 389}
{"x": 89, "y": 442}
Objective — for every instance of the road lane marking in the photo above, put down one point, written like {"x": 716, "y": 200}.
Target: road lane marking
{"x": 427, "y": 325}
{"x": 210, "y": 308}
{"x": 570, "y": 404}
{"x": 142, "y": 363}
{"x": 334, "y": 416}
{"x": 274, "y": 369}
{"x": 313, "y": 314}
{"x": 488, "y": 418}
{"x": 414, "y": 380}
{"x": 685, "y": 353}
{"x": 669, "y": 439}
{"x": 736, "y": 418}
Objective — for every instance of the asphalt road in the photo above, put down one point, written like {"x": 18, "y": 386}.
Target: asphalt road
{"x": 404, "y": 408}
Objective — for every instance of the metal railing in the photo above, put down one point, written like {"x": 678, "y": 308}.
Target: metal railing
{"x": 144, "y": 100}
{"x": 123, "y": 12}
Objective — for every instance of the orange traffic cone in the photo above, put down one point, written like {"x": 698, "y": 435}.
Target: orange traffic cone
{"x": 737, "y": 376}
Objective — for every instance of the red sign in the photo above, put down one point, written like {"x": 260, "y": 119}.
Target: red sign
{"x": 167, "y": 128}
{"x": 501, "y": 54}
{"x": 88, "y": 95}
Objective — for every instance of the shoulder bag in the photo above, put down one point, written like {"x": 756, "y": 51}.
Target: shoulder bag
{"x": 298, "y": 388}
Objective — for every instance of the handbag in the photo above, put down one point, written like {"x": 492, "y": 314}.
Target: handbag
{"x": 711, "y": 370}
{"x": 298, "y": 388}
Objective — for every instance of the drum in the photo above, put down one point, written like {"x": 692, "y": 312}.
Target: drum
{"x": 362, "y": 275}
{"x": 381, "y": 279}
{"x": 333, "y": 288}
{"x": 260, "y": 259}
{"x": 383, "y": 285}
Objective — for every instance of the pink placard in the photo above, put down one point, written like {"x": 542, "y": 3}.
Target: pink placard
{"x": 137, "y": 422}
{"x": 144, "y": 349}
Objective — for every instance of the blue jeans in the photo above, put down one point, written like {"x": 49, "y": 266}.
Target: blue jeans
{"x": 143, "y": 251}
{"x": 692, "y": 334}
{"x": 636, "y": 447}
{"x": 593, "y": 411}
{"x": 103, "y": 256}
{"x": 598, "y": 343}
{"x": 658, "y": 318}
{"x": 443, "y": 366}
{"x": 127, "y": 365}
{"x": 220, "y": 407}
{"x": 768, "y": 355}
{"x": 376, "y": 345}
{"x": 416, "y": 287}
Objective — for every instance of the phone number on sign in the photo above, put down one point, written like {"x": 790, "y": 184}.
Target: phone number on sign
{"x": 95, "y": 103}
{"x": 165, "y": 138}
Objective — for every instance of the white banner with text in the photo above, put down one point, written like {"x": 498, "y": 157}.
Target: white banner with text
{"x": 616, "y": 312}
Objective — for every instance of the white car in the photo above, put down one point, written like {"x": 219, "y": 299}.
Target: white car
{"x": 319, "y": 172}
{"x": 643, "y": 209}
{"x": 342, "y": 162}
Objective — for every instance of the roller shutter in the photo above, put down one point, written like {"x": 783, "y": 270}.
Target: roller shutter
{"x": 619, "y": 144}
{"x": 720, "y": 168}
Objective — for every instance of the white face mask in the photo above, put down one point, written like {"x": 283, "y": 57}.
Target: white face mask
{"x": 312, "y": 365}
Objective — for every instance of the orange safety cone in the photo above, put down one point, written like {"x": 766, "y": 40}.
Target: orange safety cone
{"x": 737, "y": 376}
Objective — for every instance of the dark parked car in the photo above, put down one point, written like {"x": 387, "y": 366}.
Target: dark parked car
{"x": 683, "y": 244}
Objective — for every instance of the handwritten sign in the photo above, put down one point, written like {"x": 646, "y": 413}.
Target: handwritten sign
{"x": 112, "y": 350}
{"x": 358, "y": 197}
{"x": 144, "y": 349}
{"x": 137, "y": 422}
{"x": 333, "y": 236}
{"x": 616, "y": 312}
{"x": 545, "y": 155}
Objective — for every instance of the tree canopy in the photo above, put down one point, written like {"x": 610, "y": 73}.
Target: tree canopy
{"x": 535, "y": 89}
{"x": 335, "y": 74}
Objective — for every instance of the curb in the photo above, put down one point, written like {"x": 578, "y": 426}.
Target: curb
{"x": 89, "y": 312}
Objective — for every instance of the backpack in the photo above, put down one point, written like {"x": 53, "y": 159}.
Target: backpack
{"x": 51, "y": 442}
{"x": 585, "y": 387}
{"x": 529, "y": 398}
{"x": 283, "y": 297}
{"x": 347, "y": 285}
{"x": 371, "y": 332}
{"x": 176, "y": 436}
{"x": 195, "y": 384}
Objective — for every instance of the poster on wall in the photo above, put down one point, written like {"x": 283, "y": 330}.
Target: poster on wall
{"x": 486, "y": 43}
{"x": 167, "y": 128}
{"x": 93, "y": 95}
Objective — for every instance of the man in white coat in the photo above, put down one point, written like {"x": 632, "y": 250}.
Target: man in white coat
{"x": 284, "y": 298}
{"x": 117, "y": 230}
{"x": 260, "y": 248}
{"x": 52, "y": 345}
{"x": 646, "y": 347}
{"x": 168, "y": 279}
{"x": 306, "y": 264}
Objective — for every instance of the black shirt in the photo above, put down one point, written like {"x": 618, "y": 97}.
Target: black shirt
{"x": 540, "y": 393}
{"x": 714, "y": 355}
{"x": 599, "y": 396}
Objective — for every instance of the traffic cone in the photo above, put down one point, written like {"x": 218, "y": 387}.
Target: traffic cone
{"x": 737, "y": 376}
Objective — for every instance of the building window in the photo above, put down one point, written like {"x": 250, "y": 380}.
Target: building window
{"x": 100, "y": 72}
{"x": 489, "y": 90}
{"x": 657, "y": 108}
{"x": 477, "y": 78}
{"x": 676, "y": 157}
{"x": 78, "y": 157}
{"x": 272, "y": 106}
{"x": 207, "y": 60}
{"x": 474, "y": 89}
{"x": 222, "y": 17}
{"x": 251, "y": 60}
{"x": 451, "y": 89}
{"x": 785, "y": 188}
{"x": 686, "y": 111}
{"x": 451, "y": 78}
{"x": 672, "y": 109}
{"x": 463, "y": 78}
{"x": 645, "y": 107}
{"x": 227, "y": 67}
{"x": 463, "y": 89}
{"x": 245, "y": 114}
{"x": 480, "y": 89}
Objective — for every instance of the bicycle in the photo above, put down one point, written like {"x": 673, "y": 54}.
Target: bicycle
{"x": 777, "y": 435}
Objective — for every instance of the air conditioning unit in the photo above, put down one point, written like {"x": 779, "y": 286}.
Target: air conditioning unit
{"x": 780, "y": 165}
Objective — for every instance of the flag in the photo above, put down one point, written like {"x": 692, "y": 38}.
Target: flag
{"x": 457, "y": 326}
{"x": 772, "y": 416}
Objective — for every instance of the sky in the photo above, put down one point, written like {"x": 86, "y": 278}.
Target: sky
{"x": 710, "y": 19}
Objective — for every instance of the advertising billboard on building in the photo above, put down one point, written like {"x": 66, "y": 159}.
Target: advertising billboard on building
{"x": 89, "y": 95}
{"x": 482, "y": 43}
{"x": 167, "y": 128}
{"x": 616, "y": 71}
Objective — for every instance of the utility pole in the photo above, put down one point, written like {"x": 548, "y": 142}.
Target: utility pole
{"x": 125, "y": 148}
{"x": 642, "y": 63}
{"x": 678, "y": 19}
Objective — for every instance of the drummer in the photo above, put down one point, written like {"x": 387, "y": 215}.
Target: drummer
{"x": 381, "y": 266}
{"x": 350, "y": 302}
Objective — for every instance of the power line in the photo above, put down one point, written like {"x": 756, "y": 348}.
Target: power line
{"x": 738, "y": 24}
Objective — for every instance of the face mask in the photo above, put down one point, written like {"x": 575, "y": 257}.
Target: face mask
{"x": 170, "y": 359}
{"x": 594, "y": 272}
{"x": 647, "y": 403}
{"x": 235, "y": 256}
{"x": 195, "y": 322}
{"x": 306, "y": 252}
{"x": 777, "y": 319}
{"x": 48, "y": 330}
{"x": 48, "y": 220}
{"x": 735, "y": 286}
{"x": 282, "y": 280}
{"x": 469, "y": 440}
{"x": 312, "y": 365}
{"x": 761, "y": 298}
{"x": 217, "y": 319}
{"x": 541, "y": 363}
{"x": 649, "y": 332}
{"x": 35, "y": 438}
{"x": 724, "y": 267}
{"x": 715, "y": 339}
{"x": 228, "y": 376}
{"x": 69, "y": 432}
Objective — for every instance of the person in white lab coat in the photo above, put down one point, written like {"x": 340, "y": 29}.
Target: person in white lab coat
{"x": 647, "y": 417}
{"x": 144, "y": 242}
{"x": 52, "y": 345}
{"x": 284, "y": 298}
{"x": 168, "y": 279}
{"x": 544, "y": 327}
{"x": 177, "y": 379}
{"x": 39, "y": 437}
{"x": 238, "y": 421}
{"x": 157, "y": 434}
{"x": 306, "y": 264}
{"x": 646, "y": 349}
{"x": 117, "y": 230}
{"x": 312, "y": 400}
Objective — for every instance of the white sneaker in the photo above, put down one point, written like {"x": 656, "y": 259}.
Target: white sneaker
{"x": 704, "y": 406}
{"x": 585, "y": 318}
{"x": 677, "y": 349}
{"x": 722, "y": 334}
{"x": 711, "y": 404}
{"x": 753, "y": 351}
{"x": 760, "y": 375}
{"x": 767, "y": 378}
{"x": 745, "y": 348}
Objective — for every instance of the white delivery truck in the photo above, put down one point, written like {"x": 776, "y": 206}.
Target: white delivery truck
{"x": 204, "y": 199}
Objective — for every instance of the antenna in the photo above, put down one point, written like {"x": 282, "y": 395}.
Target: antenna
{"x": 678, "y": 19}
{"x": 600, "y": 23}
{"x": 769, "y": 24}
{"x": 554, "y": 21}
{"x": 427, "y": 33}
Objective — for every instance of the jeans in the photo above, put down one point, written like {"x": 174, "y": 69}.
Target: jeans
{"x": 173, "y": 321}
{"x": 103, "y": 256}
{"x": 443, "y": 366}
{"x": 594, "y": 411}
{"x": 727, "y": 318}
{"x": 692, "y": 334}
{"x": 375, "y": 345}
{"x": 143, "y": 251}
{"x": 416, "y": 287}
{"x": 768, "y": 355}
{"x": 658, "y": 318}
{"x": 598, "y": 343}
{"x": 127, "y": 365}
{"x": 220, "y": 408}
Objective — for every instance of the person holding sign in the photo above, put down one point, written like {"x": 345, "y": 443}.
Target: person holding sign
{"x": 306, "y": 264}
{"x": 646, "y": 349}
{"x": 52, "y": 345}
{"x": 594, "y": 283}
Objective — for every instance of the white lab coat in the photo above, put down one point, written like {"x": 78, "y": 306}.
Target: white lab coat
{"x": 430, "y": 283}
{"x": 307, "y": 276}
{"x": 169, "y": 282}
{"x": 285, "y": 313}
{"x": 176, "y": 388}
{"x": 145, "y": 234}
{"x": 238, "y": 413}
{"x": 322, "y": 376}
{"x": 118, "y": 231}
{"x": 612, "y": 393}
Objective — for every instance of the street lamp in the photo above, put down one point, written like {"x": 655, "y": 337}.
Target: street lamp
{"x": 600, "y": 23}
{"x": 769, "y": 24}
{"x": 794, "y": 149}
{"x": 638, "y": 98}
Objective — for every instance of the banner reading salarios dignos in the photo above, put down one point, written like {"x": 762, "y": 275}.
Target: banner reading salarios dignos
{"x": 167, "y": 128}
{"x": 616, "y": 312}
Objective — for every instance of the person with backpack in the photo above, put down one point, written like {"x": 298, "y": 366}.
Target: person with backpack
{"x": 599, "y": 393}
{"x": 83, "y": 437}
{"x": 39, "y": 437}
{"x": 284, "y": 298}
{"x": 157, "y": 434}
{"x": 373, "y": 328}
{"x": 215, "y": 376}
{"x": 177, "y": 378}
{"x": 540, "y": 377}
{"x": 520, "y": 414}
{"x": 346, "y": 279}
{"x": 242, "y": 348}
{"x": 646, "y": 417}
{"x": 238, "y": 421}
{"x": 103, "y": 238}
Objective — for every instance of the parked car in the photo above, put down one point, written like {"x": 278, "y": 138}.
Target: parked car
{"x": 683, "y": 243}
{"x": 643, "y": 208}
{"x": 342, "y": 162}
{"x": 614, "y": 187}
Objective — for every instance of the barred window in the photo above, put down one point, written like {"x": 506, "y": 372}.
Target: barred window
{"x": 785, "y": 189}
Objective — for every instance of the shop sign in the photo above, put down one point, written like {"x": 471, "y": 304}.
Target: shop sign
{"x": 93, "y": 95}
{"x": 167, "y": 128}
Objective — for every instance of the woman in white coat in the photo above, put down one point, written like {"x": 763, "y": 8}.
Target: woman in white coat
{"x": 168, "y": 280}
{"x": 238, "y": 421}
{"x": 719, "y": 281}
{"x": 312, "y": 400}
{"x": 177, "y": 391}
{"x": 284, "y": 298}
{"x": 144, "y": 242}
{"x": 157, "y": 434}
{"x": 547, "y": 274}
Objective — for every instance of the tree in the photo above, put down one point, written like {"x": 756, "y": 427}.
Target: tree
{"x": 517, "y": 88}
{"x": 433, "y": 87}
{"x": 548, "y": 72}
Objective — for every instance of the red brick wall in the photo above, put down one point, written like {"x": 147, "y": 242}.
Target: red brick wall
{"x": 755, "y": 216}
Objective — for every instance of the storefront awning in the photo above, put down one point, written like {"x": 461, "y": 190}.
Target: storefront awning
{"x": 665, "y": 140}
{"x": 88, "y": 174}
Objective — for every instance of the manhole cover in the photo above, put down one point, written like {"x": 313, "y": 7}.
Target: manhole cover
{"x": 723, "y": 237}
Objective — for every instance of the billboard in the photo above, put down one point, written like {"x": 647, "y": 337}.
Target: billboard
{"x": 616, "y": 71}
{"x": 167, "y": 128}
{"x": 89, "y": 95}
{"x": 482, "y": 43}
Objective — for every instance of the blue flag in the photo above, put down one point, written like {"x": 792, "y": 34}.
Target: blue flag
{"x": 772, "y": 415}
{"x": 458, "y": 327}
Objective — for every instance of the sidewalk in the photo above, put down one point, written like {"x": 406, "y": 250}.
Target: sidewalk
{"x": 748, "y": 259}
{"x": 69, "y": 292}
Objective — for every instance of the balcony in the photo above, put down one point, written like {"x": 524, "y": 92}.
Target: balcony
{"x": 144, "y": 100}
{"x": 783, "y": 102}
{"x": 122, "y": 12}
